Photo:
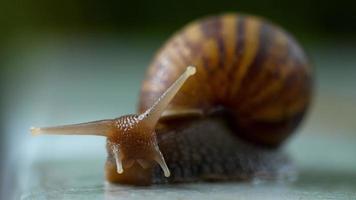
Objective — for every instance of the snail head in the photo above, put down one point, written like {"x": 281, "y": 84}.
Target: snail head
{"x": 131, "y": 138}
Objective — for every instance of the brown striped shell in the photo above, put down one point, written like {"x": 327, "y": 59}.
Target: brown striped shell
{"x": 250, "y": 67}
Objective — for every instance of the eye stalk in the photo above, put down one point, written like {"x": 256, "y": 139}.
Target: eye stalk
{"x": 131, "y": 138}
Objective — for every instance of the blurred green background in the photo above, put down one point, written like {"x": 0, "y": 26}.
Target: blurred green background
{"x": 314, "y": 19}
{"x": 74, "y": 60}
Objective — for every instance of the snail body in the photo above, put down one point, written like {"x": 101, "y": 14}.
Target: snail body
{"x": 251, "y": 88}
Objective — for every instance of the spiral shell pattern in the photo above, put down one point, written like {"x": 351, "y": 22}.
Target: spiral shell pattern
{"x": 249, "y": 66}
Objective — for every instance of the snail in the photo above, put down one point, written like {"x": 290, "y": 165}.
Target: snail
{"x": 247, "y": 87}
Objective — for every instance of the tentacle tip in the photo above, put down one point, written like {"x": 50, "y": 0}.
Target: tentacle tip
{"x": 191, "y": 70}
{"x": 35, "y": 131}
{"x": 167, "y": 173}
{"x": 119, "y": 170}
{"x": 162, "y": 163}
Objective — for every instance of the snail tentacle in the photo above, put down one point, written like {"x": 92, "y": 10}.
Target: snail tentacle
{"x": 152, "y": 115}
{"x": 162, "y": 163}
{"x": 118, "y": 159}
{"x": 100, "y": 128}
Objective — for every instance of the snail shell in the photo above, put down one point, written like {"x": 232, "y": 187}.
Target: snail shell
{"x": 246, "y": 65}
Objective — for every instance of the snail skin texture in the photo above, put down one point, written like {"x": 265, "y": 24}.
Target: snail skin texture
{"x": 225, "y": 117}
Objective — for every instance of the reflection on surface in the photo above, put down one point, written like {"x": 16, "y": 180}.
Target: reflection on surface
{"x": 221, "y": 191}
